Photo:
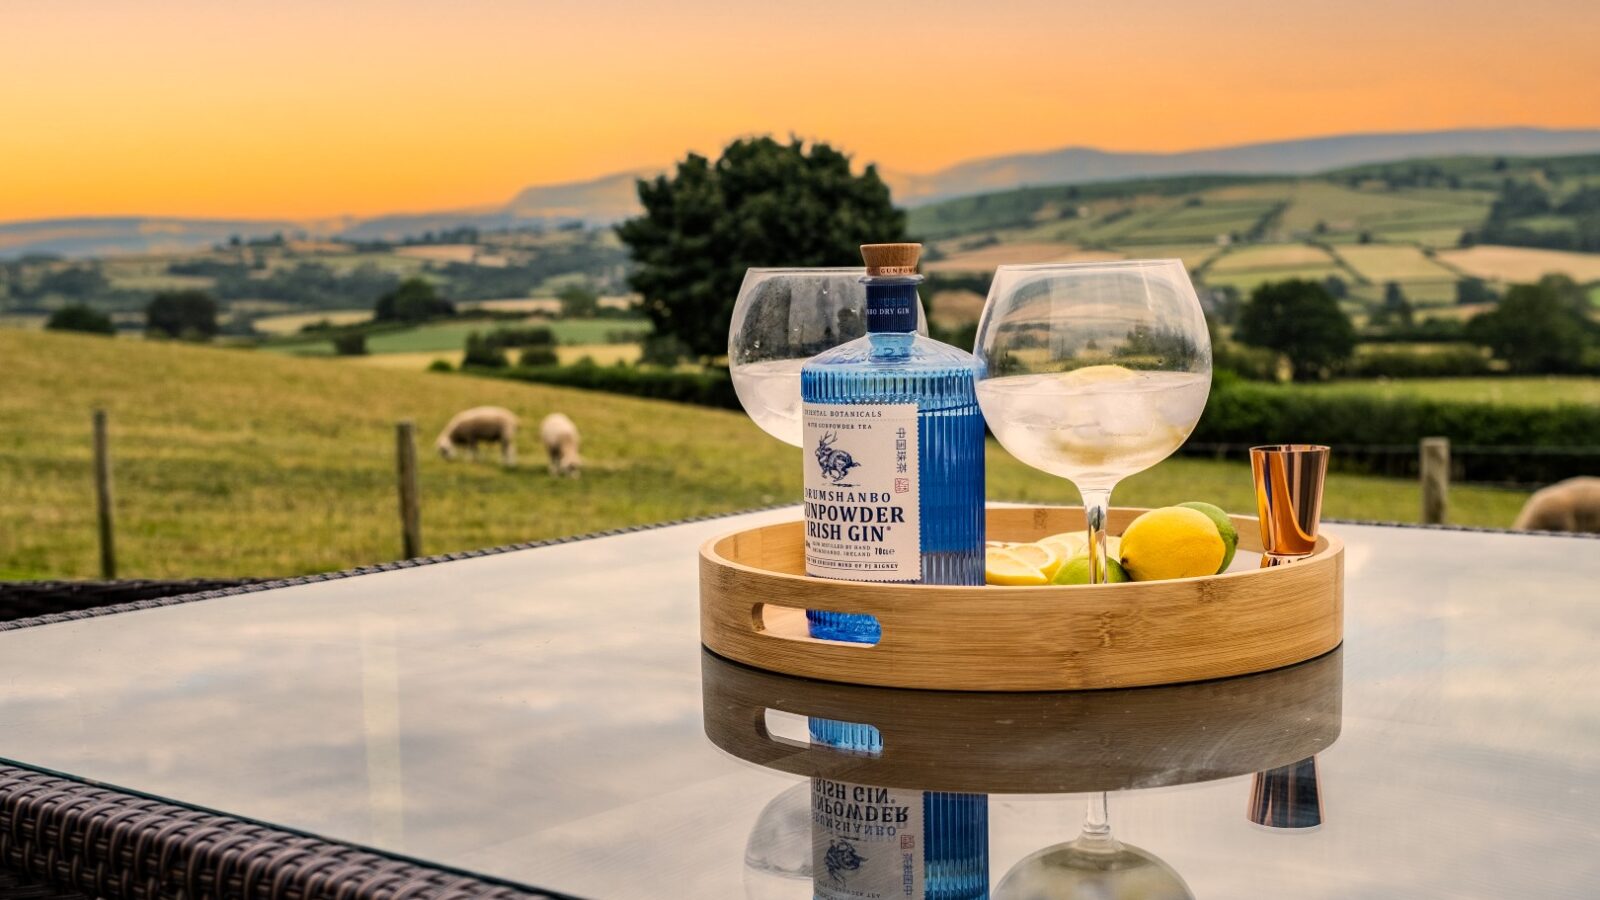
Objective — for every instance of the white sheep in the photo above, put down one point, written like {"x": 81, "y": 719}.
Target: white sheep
{"x": 560, "y": 438}
{"x": 480, "y": 425}
{"x": 1571, "y": 505}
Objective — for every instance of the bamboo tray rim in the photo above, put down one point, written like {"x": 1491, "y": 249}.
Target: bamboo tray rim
{"x": 1249, "y": 540}
{"x": 754, "y": 594}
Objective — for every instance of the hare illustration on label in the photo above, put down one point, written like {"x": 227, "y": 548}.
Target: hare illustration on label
{"x": 835, "y": 463}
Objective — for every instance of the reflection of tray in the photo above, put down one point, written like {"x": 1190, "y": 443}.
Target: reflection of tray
{"x": 1035, "y": 743}
{"x": 753, "y": 593}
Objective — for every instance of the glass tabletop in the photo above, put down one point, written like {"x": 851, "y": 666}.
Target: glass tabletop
{"x": 548, "y": 717}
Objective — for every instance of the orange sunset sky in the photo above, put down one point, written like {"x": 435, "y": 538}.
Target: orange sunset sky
{"x": 304, "y": 109}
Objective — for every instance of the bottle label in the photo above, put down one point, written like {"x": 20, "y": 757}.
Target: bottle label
{"x": 866, "y": 842}
{"x": 863, "y": 518}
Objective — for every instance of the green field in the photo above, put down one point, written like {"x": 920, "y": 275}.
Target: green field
{"x": 453, "y": 336}
{"x": 236, "y": 463}
{"x": 1532, "y": 390}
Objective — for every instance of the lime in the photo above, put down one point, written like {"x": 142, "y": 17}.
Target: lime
{"x": 1230, "y": 534}
{"x": 1172, "y": 542}
{"x": 1076, "y": 571}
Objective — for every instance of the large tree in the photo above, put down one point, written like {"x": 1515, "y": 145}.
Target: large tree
{"x": 763, "y": 203}
{"x": 415, "y": 300}
{"x": 191, "y": 315}
{"x": 1303, "y": 322}
{"x": 1537, "y": 328}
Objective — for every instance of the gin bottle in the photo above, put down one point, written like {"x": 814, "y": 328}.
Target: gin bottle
{"x": 875, "y": 843}
{"x": 893, "y": 451}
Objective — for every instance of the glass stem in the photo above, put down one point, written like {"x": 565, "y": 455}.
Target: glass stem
{"x": 1096, "y": 819}
{"x": 1095, "y": 505}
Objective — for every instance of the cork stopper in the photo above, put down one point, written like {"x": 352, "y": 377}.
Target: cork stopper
{"x": 891, "y": 259}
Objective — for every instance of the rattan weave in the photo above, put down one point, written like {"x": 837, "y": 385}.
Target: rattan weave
{"x": 109, "y": 844}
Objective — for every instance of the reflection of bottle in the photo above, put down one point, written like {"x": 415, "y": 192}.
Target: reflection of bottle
{"x": 871, "y": 842}
{"x": 894, "y": 451}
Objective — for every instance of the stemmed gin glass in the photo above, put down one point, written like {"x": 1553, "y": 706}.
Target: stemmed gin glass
{"x": 782, "y": 318}
{"x": 1093, "y": 372}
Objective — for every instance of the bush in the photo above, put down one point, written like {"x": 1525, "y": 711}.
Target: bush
{"x": 1247, "y": 414}
{"x": 528, "y": 336}
{"x": 482, "y": 354}
{"x": 78, "y": 317}
{"x": 710, "y": 387}
{"x": 538, "y": 356}
{"x": 441, "y": 365}
{"x": 1447, "y": 363}
{"x": 662, "y": 350}
{"x": 1253, "y": 363}
{"x": 352, "y": 343}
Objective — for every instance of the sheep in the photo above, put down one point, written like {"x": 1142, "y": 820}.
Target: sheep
{"x": 560, "y": 438}
{"x": 480, "y": 425}
{"x": 1571, "y": 505}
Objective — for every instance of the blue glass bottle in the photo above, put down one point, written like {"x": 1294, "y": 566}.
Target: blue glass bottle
{"x": 951, "y": 834}
{"x": 894, "y": 461}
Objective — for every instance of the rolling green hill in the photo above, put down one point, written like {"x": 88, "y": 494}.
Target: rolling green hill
{"x": 231, "y": 462}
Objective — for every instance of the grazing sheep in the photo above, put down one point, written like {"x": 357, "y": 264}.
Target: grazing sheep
{"x": 1571, "y": 505}
{"x": 480, "y": 425}
{"x": 560, "y": 438}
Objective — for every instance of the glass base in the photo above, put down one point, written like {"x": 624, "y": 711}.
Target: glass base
{"x": 832, "y": 626}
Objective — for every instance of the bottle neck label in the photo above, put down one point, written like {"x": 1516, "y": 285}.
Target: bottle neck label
{"x": 892, "y": 307}
{"x": 862, "y": 494}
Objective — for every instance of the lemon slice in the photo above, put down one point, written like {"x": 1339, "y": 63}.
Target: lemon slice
{"x": 1068, "y": 543}
{"x": 1099, "y": 375}
{"x": 1002, "y": 566}
{"x": 1076, "y": 543}
{"x": 1043, "y": 557}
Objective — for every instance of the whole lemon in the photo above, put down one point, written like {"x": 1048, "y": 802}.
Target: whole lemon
{"x": 1230, "y": 534}
{"x": 1172, "y": 542}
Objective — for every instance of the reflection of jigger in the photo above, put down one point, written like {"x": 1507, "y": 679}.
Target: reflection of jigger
{"x": 1287, "y": 797}
{"x": 1289, "y": 480}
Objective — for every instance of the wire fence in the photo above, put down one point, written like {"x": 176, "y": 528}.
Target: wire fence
{"x": 1508, "y": 466}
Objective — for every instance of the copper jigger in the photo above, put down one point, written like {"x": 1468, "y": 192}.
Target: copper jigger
{"x": 1287, "y": 797}
{"x": 1289, "y": 481}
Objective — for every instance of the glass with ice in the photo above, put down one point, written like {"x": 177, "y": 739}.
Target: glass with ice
{"x": 1093, "y": 372}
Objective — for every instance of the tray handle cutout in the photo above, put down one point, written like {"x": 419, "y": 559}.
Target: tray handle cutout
{"x": 789, "y": 623}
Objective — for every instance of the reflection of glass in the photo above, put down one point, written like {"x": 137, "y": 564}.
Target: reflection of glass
{"x": 782, "y": 318}
{"x": 778, "y": 852}
{"x": 1096, "y": 865}
{"x": 1093, "y": 372}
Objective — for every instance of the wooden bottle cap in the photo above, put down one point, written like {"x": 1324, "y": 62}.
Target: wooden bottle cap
{"x": 891, "y": 259}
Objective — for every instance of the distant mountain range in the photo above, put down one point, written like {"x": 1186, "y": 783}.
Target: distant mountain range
{"x": 1300, "y": 157}
{"x": 608, "y": 199}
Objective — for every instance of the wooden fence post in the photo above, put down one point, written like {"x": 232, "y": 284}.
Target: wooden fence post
{"x": 102, "y": 496}
{"x": 1435, "y": 471}
{"x": 410, "y": 505}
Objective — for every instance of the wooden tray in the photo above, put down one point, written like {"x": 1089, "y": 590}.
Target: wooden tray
{"x": 1036, "y": 742}
{"x": 753, "y": 594}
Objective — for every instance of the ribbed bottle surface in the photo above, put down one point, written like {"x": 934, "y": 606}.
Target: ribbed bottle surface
{"x": 941, "y": 381}
{"x": 955, "y": 839}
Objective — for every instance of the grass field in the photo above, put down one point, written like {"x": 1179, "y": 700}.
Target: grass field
{"x": 237, "y": 463}
{"x": 452, "y": 336}
{"x": 291, "y": 323}
{"x": 1393, "y": 262}
{"x": 1271, "y": 256}
{"x": 1522, "y": 264}
{"x": 1532, "y": 390}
